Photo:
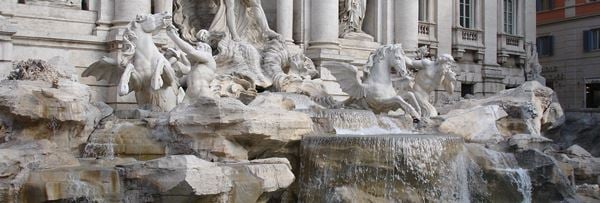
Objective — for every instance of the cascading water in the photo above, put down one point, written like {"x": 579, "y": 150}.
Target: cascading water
{"x": 388, "y": 168}
{"x": 506, "y": 164}
{"x": 356, "y": 122}
{"x": 100, "y": 147}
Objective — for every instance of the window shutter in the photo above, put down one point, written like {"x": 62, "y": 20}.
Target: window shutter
{"x": 587, "y": 35}
{"x": 551, "y": 45}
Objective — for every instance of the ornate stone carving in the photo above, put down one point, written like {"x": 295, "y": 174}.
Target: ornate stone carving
{"x": 375, "y": 87}
{"x": 141, "y": 68}
{"x": 352, "y": 15}
{"x": 534, "y": 68}
{"x": 202, "y": 66}
{"x": 241, "y": 20}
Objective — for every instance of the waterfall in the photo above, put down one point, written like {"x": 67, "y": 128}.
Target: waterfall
{"x": 100, "y": 147}
{"x": 377, "y": 168}
{"x": 356, "y": 122}
{"x": 506, "y": 164}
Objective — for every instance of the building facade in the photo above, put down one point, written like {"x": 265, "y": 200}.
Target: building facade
{"x": 486, "y": 37}
{"x": 569, "y": 48}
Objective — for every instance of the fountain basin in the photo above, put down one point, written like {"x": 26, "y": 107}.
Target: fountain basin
{"x": 383, "y": 168}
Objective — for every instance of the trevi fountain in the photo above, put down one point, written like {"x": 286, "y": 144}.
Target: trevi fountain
{"x": 231, "y": 112}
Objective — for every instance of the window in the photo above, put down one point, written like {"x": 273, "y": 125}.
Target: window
{"x": 591, "y": 40}
{"x": 467, "y": 89}
{"x": 423, "y": 10}
{"x": 545, "y": 45}
{"x": 466, "y": 13}
{"x": 544, "y": 5}
{"x": 510, "y": 16}
{"x": 592, "y": 95}
{"x": 21, "y": 1}
{"x": 84, "y": 5}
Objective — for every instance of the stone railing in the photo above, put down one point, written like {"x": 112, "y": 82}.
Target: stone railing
{"x": 465, "y": 38}
{"x": 427, "y": 33}
{"x": 511, "y": 44}
{"x": 424, "y": 28}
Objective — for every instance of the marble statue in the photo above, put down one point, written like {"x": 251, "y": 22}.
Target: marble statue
{"x": 235, "y": 14}
{"x": 240, "y": 20}
{"x": 430, "y": 74}
{"x": 534, "y": 68}
{"x": 203, "y": 66}
{"x": 376, "y": 87}
{"x": 293, "y": 72}
{"x": 141, "y": 68}
{"x": 352, "y": 15}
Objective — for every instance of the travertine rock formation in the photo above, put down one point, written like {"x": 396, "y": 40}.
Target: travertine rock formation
{"x": 528, "y": 109}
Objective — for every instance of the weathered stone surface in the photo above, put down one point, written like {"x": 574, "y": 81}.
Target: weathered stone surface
{"x": 254, "y": 128}
{"x": 32, "y": 110}
{"x": 476, "y": 124}
{"x": 576, "y": 150}
{"x": 580, "y": 128}
{"x": 18, "y": 160}
{"x": 550, "y": 184}
{"x": 186, "y": 177}
{"x": 528, "y": 109}
{"x": 125, "y": 138}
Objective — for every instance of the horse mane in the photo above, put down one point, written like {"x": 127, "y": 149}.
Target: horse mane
{"x": 129, "y": 37}
{"x": 379, "y": 54}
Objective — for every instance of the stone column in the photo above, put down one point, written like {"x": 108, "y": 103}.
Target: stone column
{"x": 324, "y": 24}
{"x": 106, "y": 11}
{"x": 126, "y": 11}
{"x": 7, "y": 30}
{"x": 407, "y": 24}
{"x": 285, "y": 19}
{"x": 162, "y": 6}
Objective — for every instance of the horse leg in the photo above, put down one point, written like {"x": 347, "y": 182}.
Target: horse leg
{"x": 397, "y": 100}
{"x": 157, "y": 81}
{"x": 124, "y": 87}
{"x": 412, "y": 100}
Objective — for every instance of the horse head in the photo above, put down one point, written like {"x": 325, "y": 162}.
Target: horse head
{"x": 392, "y": 54}
{"x": 152, "y": 23}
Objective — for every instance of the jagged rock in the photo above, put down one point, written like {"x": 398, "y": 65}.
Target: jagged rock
{"x": 18, "y": 160}
{"x": 576, "y": 150}
{"x": 580, "y": 128}
{"x": 530, "y": 109}
{"x": 125, "y": 138}
{"x": 591, "y": 193}
{"x": 237, "y": 128}
{"x": 31, "y": 110}
{"x": 550, "y": 184}
{"x": 585, "y": 169}
{"x": 188, "y": 178}
{"x": 496, "y": 176}
{"x": 477, "y": 124}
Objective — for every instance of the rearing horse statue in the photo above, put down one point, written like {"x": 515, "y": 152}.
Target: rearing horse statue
{"x": 376, "y": 87}
{"x": 429, "y": 77}
{"x": 141, "y": 68}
